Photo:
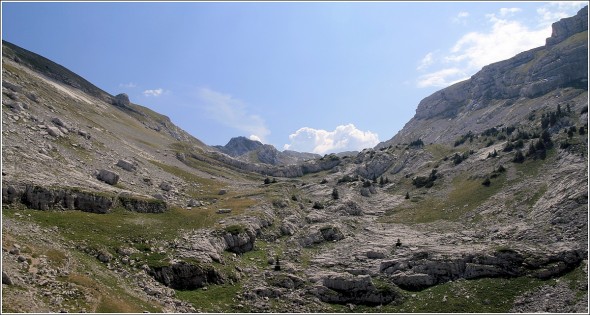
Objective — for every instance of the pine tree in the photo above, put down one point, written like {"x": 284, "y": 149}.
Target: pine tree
{"x": 407, "y": 195}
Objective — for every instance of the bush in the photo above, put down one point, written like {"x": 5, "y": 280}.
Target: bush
{"x": 518, "y": 157}
{"x": 267, "y": 181}
{"x": 335, "y": 194}
{"x": 318, "y": 205}
{"x": 487, "y": 182}
{"x": 416, "y": 143}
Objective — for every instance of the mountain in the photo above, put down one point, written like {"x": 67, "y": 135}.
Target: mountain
{"x": 480, "y": 204}
{"x": 253, "y": 151}
{"x": 507, "y": 92}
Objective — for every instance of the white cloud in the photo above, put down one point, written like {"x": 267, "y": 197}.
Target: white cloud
{"x": 129, "y": 85}
{"x": 426, "y": 61}
{"x": 156, "y": 92}
{"x": 233, "y": 113}
{"x": 554, "y": 11}
{"x": 442, "y": 78}
{"x": 509, "y": 11}
{"x": 504, "y": 38}
{"x": 478, "y": 49}
{"x": 461, "y": 18}
{"x": 255, "y": 138}
{"x": 343, "y": 138}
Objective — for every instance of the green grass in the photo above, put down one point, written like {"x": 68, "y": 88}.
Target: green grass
{"x": 531, "y": 168}
{"x": 466, "y": 195}
{"x": 116, "y": 228}
{"x": 439, "y": 151}
{"x": 216, "y": 299}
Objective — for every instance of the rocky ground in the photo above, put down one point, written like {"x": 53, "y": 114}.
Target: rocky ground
{"x": 108, "y": 207}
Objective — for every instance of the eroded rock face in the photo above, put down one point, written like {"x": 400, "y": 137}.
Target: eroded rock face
{"x": 418, "y": 274}
{"x": 185, "y": 276}
{"x": 564, "y": 28}
{"x": 46, "y": 198}
{"x": 346, "y": 288}
{"x": 143, "y": 205}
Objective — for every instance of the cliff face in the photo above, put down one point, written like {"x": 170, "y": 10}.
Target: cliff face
{"x": 507, "y": 91}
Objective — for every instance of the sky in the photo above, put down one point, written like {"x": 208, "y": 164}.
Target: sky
{"x": 317, "y": 77}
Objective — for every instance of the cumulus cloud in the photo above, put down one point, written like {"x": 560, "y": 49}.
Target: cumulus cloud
{"x": 156, "y": 92}
{"x": 474, "y": 50}
{"x": 232, "y": 112}
{"x": 129, "y": 85}
{"x": 343, "y": 138}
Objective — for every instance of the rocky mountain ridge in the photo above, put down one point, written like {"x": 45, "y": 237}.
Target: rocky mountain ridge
{"x": 501, "y": 94}
{"x": 109, "y": 207}
{"x": 253, "y": 151}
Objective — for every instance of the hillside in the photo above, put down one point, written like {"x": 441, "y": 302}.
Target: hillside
{"x": 108, "y": 206}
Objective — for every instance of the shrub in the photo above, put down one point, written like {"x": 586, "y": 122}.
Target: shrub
{"x": 267, "y": 181}
{"x": 318, "y": 205}
{"x": 416, "y": 143}
{"x": 486, "y": 182}
{"x": 518, "y": 157}
{"x": 335, "y": 194}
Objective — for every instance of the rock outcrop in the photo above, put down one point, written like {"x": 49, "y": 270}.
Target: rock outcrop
{"x": 45, "y": 198}
{"x": 142, "y": 204}
{"x": 347, "y": 288}
{"x": 186, "y": 276}
{"x": 423, "y": 271}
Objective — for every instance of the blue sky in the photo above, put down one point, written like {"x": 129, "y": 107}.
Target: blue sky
{"x": 317, "y": 77}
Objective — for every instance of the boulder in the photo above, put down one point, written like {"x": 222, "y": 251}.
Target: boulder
{"x": 166, "y": 186}
{"x": 351, "y": 208}
{"x": 121, "y": 100}
{"x": 104, "y": 256}
{"x": 241, "y": 242}
{"x": 194, "y": 203}
{"x": 6, "y": 279}
{"x": 108, "y": 177}
{"x": 126, "y": 165}
{"x": 54, "y": 131}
